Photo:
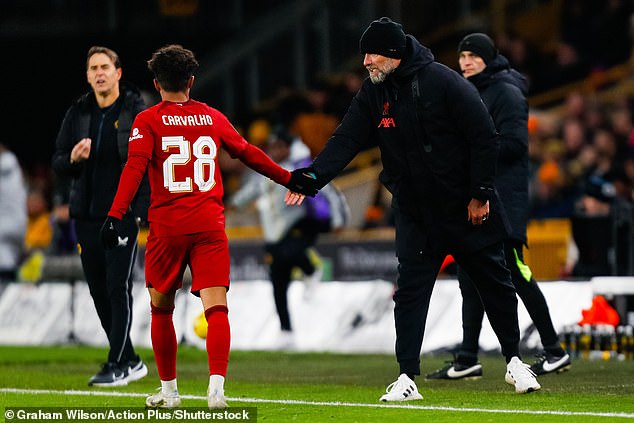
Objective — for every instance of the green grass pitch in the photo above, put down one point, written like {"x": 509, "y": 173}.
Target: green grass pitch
{"x": 315, "y": 387}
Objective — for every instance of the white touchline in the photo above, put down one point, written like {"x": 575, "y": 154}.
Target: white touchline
{"x": 322, "y": 403}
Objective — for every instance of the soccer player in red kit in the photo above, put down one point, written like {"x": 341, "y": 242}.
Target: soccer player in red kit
{"x": 177, "y": 141}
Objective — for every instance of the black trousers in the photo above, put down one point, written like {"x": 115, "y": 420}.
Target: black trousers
{"x": 528, "y": 291}
{"x": 287, "y": 253}
{"x": 109, "y": 278}
{"x": 417, "y": 271}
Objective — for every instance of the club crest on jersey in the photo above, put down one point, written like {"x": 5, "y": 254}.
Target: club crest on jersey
{"x": 135, "y": 135}
{"x": 386, "y": 108}
{"x": 386, "y": 121}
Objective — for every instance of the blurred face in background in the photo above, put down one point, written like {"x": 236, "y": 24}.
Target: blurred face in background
{"x": 278, "y": 150}
{"x": 574, "y": 136}
{"x": 470, "y": 63}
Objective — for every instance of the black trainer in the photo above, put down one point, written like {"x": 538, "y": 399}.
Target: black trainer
{"x": 455, "y": 370}
{"x": 548, "y": 363}
{"x": 109, "y": 375}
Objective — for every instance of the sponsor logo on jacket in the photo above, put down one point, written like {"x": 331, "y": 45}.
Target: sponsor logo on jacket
{"x": 386, "y": 120}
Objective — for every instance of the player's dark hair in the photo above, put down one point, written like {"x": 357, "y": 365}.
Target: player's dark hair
{"x": 105, "y": 50}
{"x": 172, "y": 67}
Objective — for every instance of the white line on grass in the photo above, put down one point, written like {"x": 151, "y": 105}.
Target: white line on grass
{"x": 322, "y": 403}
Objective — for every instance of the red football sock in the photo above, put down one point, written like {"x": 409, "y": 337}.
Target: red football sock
{"x": 218, "y": 339}
{"x": 164, "y": 342}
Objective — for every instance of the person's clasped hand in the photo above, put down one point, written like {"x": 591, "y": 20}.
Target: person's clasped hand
{"x": 303, "y": 182}
{"x": 110, "y": 236}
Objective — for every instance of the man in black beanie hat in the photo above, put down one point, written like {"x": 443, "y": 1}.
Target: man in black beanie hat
{"x": 384, "y": 37}
{"x": 503, "y": 91}
{"x": 439, "y": 150}
{"x": 480, "y": 44}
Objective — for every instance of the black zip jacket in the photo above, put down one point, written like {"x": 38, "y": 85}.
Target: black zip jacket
{"x": 92, "y": 184}
{"x": 434, "y": 161}
{"x": 503, "y": 91}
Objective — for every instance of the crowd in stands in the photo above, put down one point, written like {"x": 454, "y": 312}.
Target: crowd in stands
{"x": 573, "y": 150}
{"x": 592, "y": 36}
{"x": 581, "y": 150}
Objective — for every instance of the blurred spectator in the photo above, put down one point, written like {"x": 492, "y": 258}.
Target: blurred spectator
{"x": 259, "y": 132}
{"x": 621, "y": 125}
{"x": 574, "y": 105}
{"x": 39, "y": 231}
{"x": 575, "y": 41}
{"x": 573, "y": 134}
{"x": 521, "y": 56}
{"x": 315, "y": 125}
{"x": 594, "y": 117}
{"x": 592, "y": 230}
{"x": 12, "y": 214}
{"x": 550, "y": 196}
{"x": 289, "y": 232}
{"x": 605, "y": 145}
{"x": 64, "y": 238}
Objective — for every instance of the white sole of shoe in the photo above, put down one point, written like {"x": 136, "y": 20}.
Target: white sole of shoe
{"x": 412, "y": 397}
{"x": 139, "y": 374}
{"x": 122, "y": 382}
{"x": 528, "y": 390}
{"x": 161, "y": 404}
{"x": 216, "y": 403}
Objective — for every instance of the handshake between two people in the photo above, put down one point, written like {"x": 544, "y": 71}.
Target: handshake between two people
{"x": 303, "y": 183}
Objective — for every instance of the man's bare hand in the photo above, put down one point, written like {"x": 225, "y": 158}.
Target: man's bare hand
{"x": 80, "y": 151}
{"x": 294, "y": 198}
{"x": 478, "y": 211}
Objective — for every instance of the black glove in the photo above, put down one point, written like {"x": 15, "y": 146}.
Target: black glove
{"x": 303, "y": 181}
{"x": 110, "y": 234}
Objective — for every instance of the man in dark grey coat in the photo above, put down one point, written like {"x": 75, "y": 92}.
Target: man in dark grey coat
{"x": 503, "y": 91}
{"x": 439, "y": 151}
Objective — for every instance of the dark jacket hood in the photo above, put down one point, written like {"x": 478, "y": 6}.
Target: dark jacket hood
{"x": 500, "y": 69}
{"x": 416, "y": 56}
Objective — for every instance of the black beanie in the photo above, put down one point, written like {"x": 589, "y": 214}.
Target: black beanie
{"x": 480, "y": 44}
{"x": 384, "y": 37}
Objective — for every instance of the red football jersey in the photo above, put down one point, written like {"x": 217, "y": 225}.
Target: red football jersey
{"x": 180, "y": 143}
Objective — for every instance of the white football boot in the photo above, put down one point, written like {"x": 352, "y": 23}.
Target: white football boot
{"x": 403, "y": 389}
{"x": 216, "y": 392}
{"x": 163, "y": 400}
{"x": 521, "y": 375}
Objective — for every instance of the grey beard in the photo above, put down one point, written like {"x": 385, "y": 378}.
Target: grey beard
{"x": 381, "y": 76}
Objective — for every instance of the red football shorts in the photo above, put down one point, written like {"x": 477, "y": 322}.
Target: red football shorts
{"x": 206, "y": 253}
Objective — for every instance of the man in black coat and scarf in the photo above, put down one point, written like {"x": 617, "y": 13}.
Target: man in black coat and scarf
{"x": 503, "y": 91}
{"x": 439, "y": 150}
